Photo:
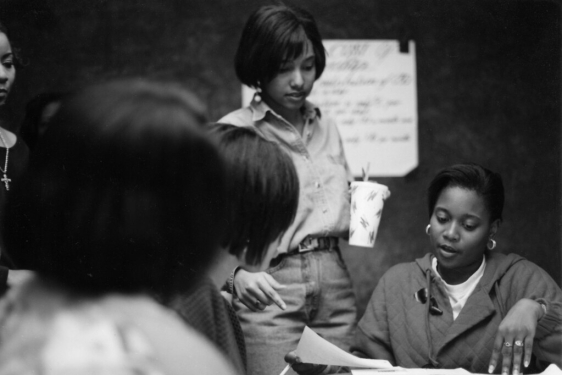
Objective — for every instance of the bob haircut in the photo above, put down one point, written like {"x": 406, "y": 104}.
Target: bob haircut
{"x": 122, "y": 194}
{"x": 263, "y": 190}
{"x": 273, "y": 35}
{"x": 484, "y": 182}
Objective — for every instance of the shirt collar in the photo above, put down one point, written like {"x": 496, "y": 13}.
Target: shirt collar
{"x": 260, "y": 110}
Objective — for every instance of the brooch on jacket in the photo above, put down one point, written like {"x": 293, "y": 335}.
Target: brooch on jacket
{"x": 421, "y": 296}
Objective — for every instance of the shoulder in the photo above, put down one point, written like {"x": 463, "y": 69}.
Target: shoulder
{"x": 240, "y": 117}
{"x": 9, "y": 138}
{"x": 401, "y": 274}
{"x": 175, "y": 344}
{"x": 520, "y": 276}
{"x": 127, "y": 332}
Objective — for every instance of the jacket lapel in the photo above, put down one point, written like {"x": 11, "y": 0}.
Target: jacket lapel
{"x": 479, "y": 306}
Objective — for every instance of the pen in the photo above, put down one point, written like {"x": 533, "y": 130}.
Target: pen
{"x": 285, "y": 370}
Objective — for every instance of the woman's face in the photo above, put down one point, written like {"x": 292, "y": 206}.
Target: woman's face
{"x": 7, "y": 68}
{"x": 460, "y": 230}
{"x": 287, "y": 91}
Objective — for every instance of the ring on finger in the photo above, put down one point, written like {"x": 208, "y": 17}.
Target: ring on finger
{"x": 518, "y": 343}
{"x": 508, "y": 344}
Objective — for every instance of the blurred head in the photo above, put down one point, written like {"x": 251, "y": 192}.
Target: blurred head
{"x": 7, "y": 65}
{"x": 273, "y": 36}
{"x": 38, "y": 113}
{"x": 465, "y": 209}
{"x": 122, "y": 194}
{"x": 263, "y": 193}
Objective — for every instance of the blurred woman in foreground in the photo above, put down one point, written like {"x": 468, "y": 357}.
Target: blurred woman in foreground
{"x": 120, "y": 203}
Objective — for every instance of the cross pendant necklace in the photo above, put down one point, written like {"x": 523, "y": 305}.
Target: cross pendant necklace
{"x": 5, "y": 179}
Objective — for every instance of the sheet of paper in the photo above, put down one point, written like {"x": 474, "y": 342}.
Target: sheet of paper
{"x": 550, "y": 370}
{"x": 314, "y": 349}
{"x": 414, "y": 371}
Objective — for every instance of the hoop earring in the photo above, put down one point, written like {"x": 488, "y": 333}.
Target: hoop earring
{"x": 491, "y": 246}
{"x": 427, "y": 229}
{"x": 257, "y": 95}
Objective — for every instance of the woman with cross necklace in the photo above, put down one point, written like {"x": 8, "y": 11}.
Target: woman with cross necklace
{"x": 14, "y": 153}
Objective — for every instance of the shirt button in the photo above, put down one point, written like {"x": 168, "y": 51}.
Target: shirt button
{"x": 317, "y": 185}
{"x": 325, "y": 210}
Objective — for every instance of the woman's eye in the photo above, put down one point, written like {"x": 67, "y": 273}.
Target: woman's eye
{"x": 8, "y": 64}
{"x": 469, "y": 226}
{"x": 309, "y": 67}
{"x": 441, "y": 219}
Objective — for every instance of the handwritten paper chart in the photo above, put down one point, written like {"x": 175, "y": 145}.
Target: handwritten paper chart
{"x": 369, "y": 89}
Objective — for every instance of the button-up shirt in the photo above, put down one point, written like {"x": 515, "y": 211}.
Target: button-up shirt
{"x": 319, "y": 158}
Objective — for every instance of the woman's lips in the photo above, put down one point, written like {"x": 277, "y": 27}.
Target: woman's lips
{"x": 296, "y": 95}
{"x": 447, "y": 250}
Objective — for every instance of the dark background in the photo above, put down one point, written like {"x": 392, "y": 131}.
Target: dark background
{"x": 488, "y": 91}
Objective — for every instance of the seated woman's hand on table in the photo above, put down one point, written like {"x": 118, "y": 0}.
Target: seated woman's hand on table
{"x": 257, "y": 290}
{"x": 514, "y": 340}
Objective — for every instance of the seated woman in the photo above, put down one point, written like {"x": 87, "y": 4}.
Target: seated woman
{"x": 261, "y": 202}
{"x": 464, "y": 305}
{"x": 122, "y": 201}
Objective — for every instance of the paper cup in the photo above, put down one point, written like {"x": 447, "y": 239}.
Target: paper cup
{"x": 367, "y": 201}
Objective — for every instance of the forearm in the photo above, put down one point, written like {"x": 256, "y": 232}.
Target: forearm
{"x": 548, "y": 338}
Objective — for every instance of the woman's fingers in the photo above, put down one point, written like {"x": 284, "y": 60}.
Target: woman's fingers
{"x": 498, "y": 345}
{"x": 528, "y": 350}
{"x": 518, "y": 349}
{"x": 507, "y": 354}
{"x": 271, "y": 291}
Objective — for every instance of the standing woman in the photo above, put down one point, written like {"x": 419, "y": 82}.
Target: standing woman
{"x": 281, "y": 55}
{"x": 14, "y": 153}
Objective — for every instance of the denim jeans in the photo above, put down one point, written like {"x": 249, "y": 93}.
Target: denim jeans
{"x": 318, "y": 294}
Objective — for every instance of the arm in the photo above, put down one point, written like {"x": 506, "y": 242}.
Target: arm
{"x": 548, "y": 338}
{"x": 526, "y": 288}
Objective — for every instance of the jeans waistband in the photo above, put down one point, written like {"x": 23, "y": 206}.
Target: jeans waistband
{"x": 315, "y": 243}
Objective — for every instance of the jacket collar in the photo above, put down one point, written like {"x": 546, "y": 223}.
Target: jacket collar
{"x": 497, "y": 265}
{"x": 261, "y": 109}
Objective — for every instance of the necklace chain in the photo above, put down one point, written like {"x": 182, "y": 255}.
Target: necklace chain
{"x": 5, "y": 179}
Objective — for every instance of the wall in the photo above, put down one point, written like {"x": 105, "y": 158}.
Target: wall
{"x": 488, "y": 91}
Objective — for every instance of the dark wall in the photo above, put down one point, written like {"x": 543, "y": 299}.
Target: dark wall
{"x": 488, "y": 91}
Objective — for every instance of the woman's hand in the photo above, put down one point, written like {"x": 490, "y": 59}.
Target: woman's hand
{"x": 514, "y": 339}
{"x": 303, "y": 368}
{"x": 257, "y": 290}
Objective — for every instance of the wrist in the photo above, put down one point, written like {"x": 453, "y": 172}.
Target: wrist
{"x": 230, "y": 281}
{"x": 542, "y": 310}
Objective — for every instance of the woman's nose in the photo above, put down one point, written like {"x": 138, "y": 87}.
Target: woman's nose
{"x": 3, "y": 75}
{"x": 296, "y": 79}
{"x": 451, "y": 233}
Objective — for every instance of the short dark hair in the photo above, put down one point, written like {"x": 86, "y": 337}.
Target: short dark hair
{"x": 122, "y": 194}
{"x": 470, "y": 176}
{"x": 263, "y": 190}
{"x": 273, "y": 34}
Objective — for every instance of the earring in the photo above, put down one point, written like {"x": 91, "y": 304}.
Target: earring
{"x": 491, "y": 246}
{"x": 427, "y": 229}
{"x": 257, "y": 96}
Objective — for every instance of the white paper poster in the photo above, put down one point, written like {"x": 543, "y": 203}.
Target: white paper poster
{"x": 369, "y": 88}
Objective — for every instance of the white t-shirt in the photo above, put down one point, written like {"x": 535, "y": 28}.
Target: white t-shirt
{"x": 458, "y": 294}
